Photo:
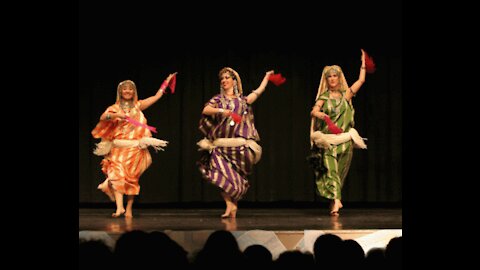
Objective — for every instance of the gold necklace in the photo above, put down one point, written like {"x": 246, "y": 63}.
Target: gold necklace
{"x": 126, "y": 106}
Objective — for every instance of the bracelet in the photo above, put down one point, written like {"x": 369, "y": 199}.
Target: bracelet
{"x": 108, "y": 117}
{"x": 362, "y": 67}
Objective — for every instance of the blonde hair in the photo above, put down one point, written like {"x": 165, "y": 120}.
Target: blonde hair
{"x": 119, "y": 89}
{"x": 323, "y": 86}
{"x": 327, "y": 70}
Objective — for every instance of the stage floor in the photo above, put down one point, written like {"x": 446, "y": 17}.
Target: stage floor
{"x": 284, "y": 219}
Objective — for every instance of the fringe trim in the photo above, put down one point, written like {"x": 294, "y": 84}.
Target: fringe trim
{"x": 358, "y": 142}
{"x": 207, "y": 145}
{"x": 157, "y": 144}
{"x": 325, "y": 141}
{"x": 103, "y": 148}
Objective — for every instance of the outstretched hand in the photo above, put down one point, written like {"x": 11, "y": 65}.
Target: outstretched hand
{"x": 270, "y": 72}
{"x": 170, "y": 81}
{"x": 367, "y": 62}
{"x": 170, "y": 76}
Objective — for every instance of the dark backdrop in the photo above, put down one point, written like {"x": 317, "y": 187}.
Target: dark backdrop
{"x": 145, "y": 42}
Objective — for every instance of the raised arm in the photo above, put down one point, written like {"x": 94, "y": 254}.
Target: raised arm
{"x": 150, "y": 100}
{"x": 361, "y": 79}
{"x": 257, "y": 92}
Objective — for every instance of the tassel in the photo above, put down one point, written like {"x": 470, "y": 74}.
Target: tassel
{"x": 319, "y": 139}
{"x": 172, "y": 83}
{"x": 103, "y": 148}
{"x": 358, "y": 142}
{"x": 277, "y": 79}
{"x": 205, "y": 144}
{"x": 138, "y": 124}
{"x": 157, "y": 144}
{"x": 369, "y": 64}
{"x": 331, "y": 126}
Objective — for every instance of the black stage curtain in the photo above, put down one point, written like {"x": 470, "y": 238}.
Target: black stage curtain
{"x": 145, "y": 44}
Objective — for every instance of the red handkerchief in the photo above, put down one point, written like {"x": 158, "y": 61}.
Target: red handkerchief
{"x": 277, "y": 79}
{"x": 369, "y": 64}
{"x": 237, "y": 118}
{"x": 332, "y": 127}
{"x": 172, "y": 83}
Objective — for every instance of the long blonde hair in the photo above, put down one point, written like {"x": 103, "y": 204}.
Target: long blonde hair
{"x": 119, "y": 90}
{"x": 323, "y": 86}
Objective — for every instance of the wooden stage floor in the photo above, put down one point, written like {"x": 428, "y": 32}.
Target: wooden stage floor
{"x": 275, "y": 219}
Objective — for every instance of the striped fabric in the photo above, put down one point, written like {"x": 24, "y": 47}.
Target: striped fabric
{"x": 123, "y": 166}
{"x": 331, "y": 165}
{"x": 228, "y": 167}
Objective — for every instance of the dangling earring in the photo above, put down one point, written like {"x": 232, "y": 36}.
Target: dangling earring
{"x": 235, "y": 89}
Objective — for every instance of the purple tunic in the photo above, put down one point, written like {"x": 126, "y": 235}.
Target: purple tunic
{"x": 228, "y": 167}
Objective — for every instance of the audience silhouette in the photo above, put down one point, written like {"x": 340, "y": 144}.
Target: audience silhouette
{"x": 258, "y": 256}
{"x": 138, "y": 249}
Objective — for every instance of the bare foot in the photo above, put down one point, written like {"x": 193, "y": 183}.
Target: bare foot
{"x": 228, "y": 209}
{"x": 335, "y": 206}
{"x": 334, "y": 213}
{"x": 233, "y": 213}
{"x": 118, "y": 213}
{"x": 129, "y": 212}
{"x": 226, "y": 214}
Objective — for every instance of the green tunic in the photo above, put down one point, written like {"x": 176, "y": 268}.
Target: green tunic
{"x": 331, "y": 165}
